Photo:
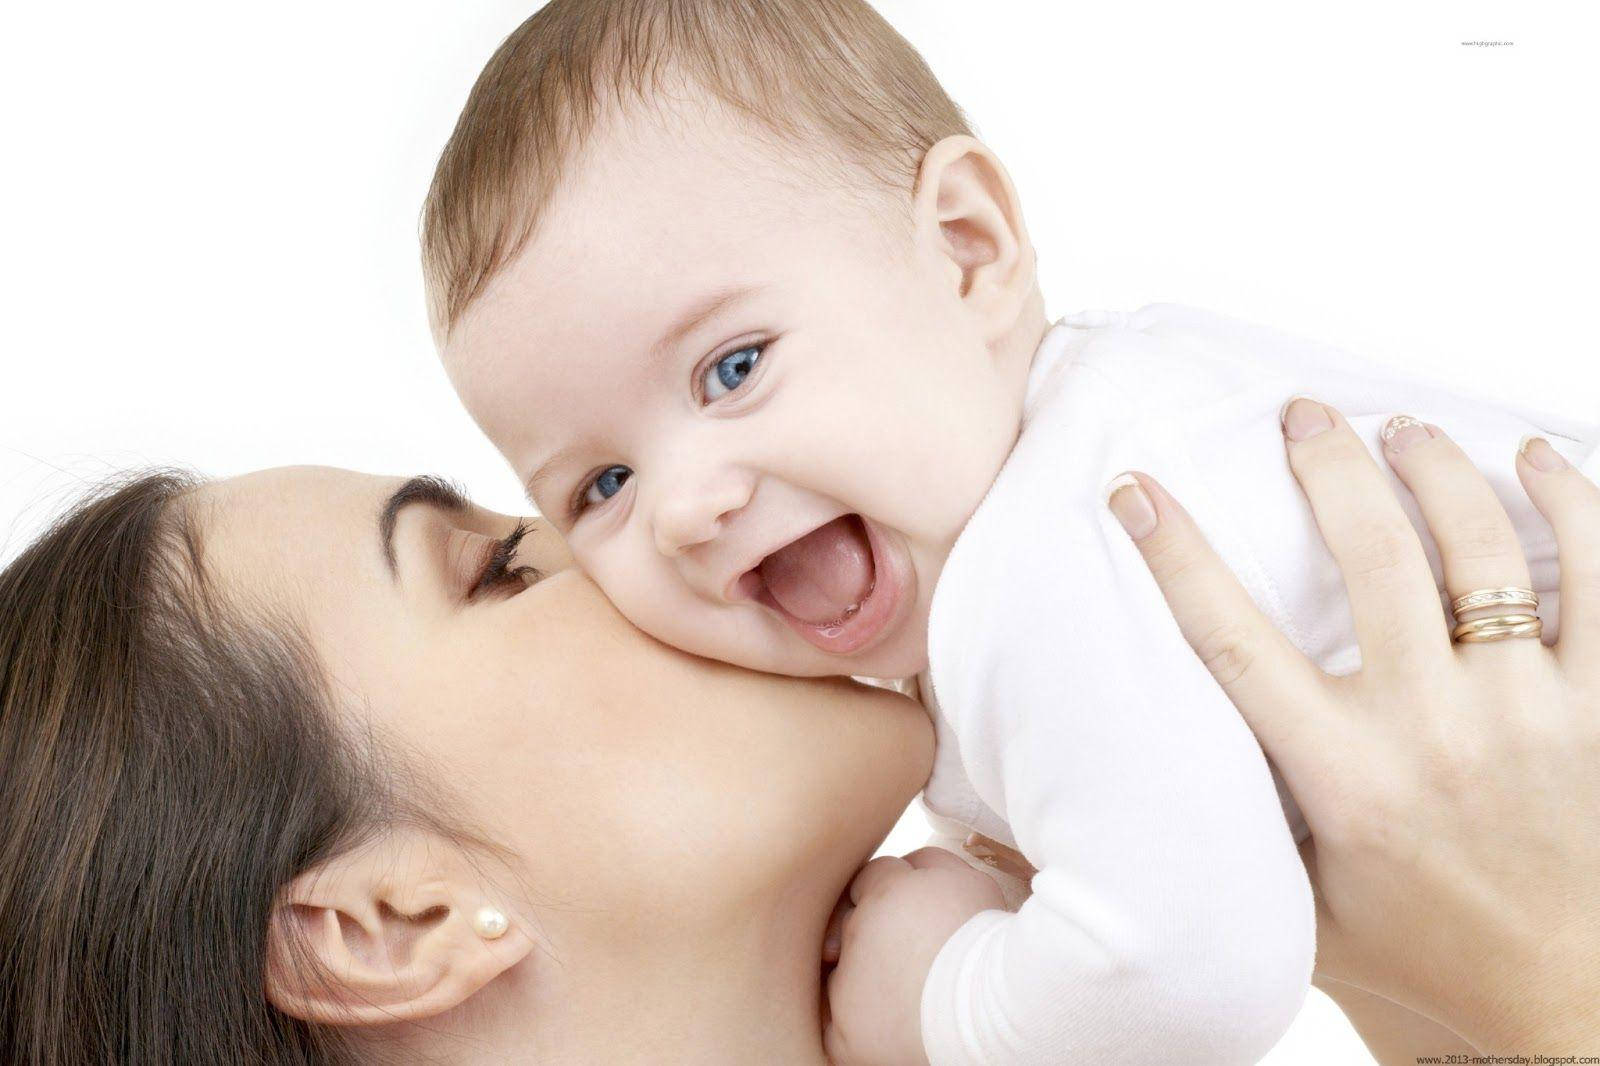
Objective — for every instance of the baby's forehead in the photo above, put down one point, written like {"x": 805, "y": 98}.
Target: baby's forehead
{"x": 665, "y": 187}
{"x": 552, "y": 319}
{"x": 622, "y": 256}
{"x": 666, "y": 199}
{"x": 684, "y": 104}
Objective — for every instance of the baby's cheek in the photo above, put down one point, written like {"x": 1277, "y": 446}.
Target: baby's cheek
{"x": 644, "y": 597}
{"x": 546, "y": 551}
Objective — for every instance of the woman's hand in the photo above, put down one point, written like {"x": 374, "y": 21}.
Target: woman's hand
{"x": 1452, "y": 790}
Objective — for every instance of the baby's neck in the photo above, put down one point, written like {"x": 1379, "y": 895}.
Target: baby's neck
{"x": 1029, "y": 332}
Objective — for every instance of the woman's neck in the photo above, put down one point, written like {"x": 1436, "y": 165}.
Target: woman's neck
{"x": 742, "y": 991}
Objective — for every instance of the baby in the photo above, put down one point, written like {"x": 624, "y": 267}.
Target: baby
{"x": 741, "y": 299}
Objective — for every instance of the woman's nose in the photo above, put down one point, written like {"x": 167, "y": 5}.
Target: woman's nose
{"x": 692, "y": 513}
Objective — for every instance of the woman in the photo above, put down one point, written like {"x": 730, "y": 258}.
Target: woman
{"x": 304, "y": 766}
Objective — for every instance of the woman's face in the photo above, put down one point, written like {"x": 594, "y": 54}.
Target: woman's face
{"x": 642, "y": 783}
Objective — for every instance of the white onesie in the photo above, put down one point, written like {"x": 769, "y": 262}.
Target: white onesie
{"x": 1171, "y": 919}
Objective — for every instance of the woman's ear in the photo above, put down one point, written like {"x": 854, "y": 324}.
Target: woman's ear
{"x": 397, "y": 930}
{"x": 967, "y": 210}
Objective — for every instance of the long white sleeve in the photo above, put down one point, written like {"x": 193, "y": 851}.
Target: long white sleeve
{"x": 1171, "y": 918}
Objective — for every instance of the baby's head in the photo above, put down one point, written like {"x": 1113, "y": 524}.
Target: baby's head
{"x": 740, "y": 298}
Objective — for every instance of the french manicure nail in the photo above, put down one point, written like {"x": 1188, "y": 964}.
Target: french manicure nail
{"x": 1541, "y": 456}
{"x": 1304, "y": 418}
{"x": 1402, "y": 431}
{"x": 1131, "y": 504}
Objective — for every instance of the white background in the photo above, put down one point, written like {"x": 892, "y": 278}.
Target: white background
{"x": 209, "y": 254}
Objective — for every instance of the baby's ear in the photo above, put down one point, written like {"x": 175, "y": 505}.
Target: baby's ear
{"x": 967, "y": 211}
{"x": 397, "y": 930}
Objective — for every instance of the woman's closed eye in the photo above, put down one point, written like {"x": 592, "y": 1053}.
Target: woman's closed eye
{"x": 497, "y": 571}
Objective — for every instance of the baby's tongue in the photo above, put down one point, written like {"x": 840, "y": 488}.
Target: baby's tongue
{"x": 822, "y": 575}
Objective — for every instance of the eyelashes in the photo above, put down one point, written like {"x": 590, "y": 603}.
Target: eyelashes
{"x": 497, "y": 570}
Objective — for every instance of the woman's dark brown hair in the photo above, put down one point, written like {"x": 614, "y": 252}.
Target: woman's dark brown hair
{"x": 166, "y": 765}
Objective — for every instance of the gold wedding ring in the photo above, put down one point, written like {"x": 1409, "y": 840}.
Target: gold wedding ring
{"x": 1510, "y": 596}
{"x": 1497, "y": 627}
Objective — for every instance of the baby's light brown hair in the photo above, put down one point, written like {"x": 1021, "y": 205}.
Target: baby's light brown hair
{"x": 829, "y": 76}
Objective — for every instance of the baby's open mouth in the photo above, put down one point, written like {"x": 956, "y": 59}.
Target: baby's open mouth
{"x": 830, "y": 585}
{"x": 822, "y": 578}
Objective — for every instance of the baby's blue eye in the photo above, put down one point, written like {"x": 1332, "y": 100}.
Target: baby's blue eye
{"x": 607, "y": 484}
{"x": 729, "y": 372}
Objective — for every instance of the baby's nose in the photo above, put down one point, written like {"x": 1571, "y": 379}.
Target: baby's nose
{"x": 688, "y": 516}
{"x": 680, "y": 527}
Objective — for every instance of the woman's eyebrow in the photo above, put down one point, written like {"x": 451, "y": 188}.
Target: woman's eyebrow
{"x": 429, "y": 489}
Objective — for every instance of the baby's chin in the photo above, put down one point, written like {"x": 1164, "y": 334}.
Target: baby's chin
{"x": 902, "y": 651}
{"x": 901, "y": 655}
{"x": 898, "y": 667}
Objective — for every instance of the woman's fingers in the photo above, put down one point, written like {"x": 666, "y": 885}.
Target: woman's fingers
{"x": 1477, "y": 545}
{"x": 1392, "y": 594}
{"x": 1266, "y": 677}
{"x": 1571, "y": 503}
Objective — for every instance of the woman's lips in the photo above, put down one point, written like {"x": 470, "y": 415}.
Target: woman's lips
{"x": 861, "y": 603}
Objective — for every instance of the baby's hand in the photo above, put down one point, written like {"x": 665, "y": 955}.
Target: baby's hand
{"x": 900, "y": 913}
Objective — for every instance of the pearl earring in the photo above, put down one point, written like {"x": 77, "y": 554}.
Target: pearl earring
{"x": 489, "y": 923}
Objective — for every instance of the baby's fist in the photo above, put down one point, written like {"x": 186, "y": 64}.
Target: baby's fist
{"x": 900, "y": 913}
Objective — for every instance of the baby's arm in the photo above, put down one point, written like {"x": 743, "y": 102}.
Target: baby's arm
{"x": 1171, "y": 917}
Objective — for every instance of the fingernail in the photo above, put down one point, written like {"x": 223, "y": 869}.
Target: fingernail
{"x": 1402, "y": 431}
{"x": 1131, "y": 504}
{"x": 1304, "y": 418}
{"x": 1541, "y": 456}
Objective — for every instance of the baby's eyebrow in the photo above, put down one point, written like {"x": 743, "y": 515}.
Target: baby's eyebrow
{"x": 544, "y": 472}
{"x": 712, "y": 303}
